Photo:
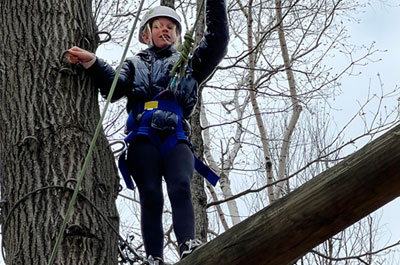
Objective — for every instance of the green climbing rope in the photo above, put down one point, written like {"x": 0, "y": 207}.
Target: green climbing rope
{"x": 184, "y": 50}
{"x": 93, "y": 142}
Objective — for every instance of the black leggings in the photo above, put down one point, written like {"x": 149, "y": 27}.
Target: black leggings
{"x": 147, "y": 167}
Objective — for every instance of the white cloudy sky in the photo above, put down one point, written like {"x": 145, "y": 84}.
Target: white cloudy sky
{"x": 380, "y": 23}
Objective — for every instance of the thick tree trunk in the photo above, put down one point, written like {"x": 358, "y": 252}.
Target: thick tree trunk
{"x": 199, "y": 196}
{"x": 48, "y": 115}
{"x": 290, "y": 227}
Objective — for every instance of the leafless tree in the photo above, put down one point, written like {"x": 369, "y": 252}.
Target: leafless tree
{"x": 281, "y": 62}
{"x": 48, "y": 117}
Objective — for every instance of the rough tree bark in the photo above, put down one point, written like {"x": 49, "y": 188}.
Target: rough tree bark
{"x": 48, "y": 115}
{"x": 199, "y": 196}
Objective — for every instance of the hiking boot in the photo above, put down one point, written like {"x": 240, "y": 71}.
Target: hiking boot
{"x": 189, "y": 246}
{"x": 154, "y": 261}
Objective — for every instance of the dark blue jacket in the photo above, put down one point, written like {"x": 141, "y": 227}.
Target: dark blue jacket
{"x": 147, "y": 73}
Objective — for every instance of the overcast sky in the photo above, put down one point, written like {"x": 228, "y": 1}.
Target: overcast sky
{"x": 381, "y": 24}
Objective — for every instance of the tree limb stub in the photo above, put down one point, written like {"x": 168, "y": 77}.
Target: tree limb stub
{"x": 332, "y": 201}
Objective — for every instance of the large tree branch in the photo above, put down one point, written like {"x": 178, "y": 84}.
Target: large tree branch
{"x": 324, "y": 206}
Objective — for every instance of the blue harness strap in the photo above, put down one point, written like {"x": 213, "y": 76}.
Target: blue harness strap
{"x": 205, "y": 171}
{"x": 145, "y": 129}
{"x": 123, "y": 168}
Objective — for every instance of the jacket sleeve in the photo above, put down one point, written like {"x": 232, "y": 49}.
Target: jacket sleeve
{"x": 213, "y": 46}
{"x": 103, "y": 75}
{"x": 187, "y": 95}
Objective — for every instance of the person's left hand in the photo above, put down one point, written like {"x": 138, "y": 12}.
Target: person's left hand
{"x": 77, "y": 54}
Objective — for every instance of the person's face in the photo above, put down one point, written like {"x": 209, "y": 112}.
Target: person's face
{"x": 163, "y": 31}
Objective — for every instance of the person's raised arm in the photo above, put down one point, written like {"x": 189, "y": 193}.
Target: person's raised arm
{"x": 213, "y": 46}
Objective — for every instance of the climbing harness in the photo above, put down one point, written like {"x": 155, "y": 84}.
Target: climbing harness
{"x": 166, "y": 101}
{"x": 93, "y": 142}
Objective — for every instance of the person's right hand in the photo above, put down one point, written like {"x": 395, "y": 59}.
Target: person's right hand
{"x": 77, "y": 54}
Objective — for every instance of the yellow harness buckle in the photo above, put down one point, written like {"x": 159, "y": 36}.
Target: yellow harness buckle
{"x": 149, "y": 105}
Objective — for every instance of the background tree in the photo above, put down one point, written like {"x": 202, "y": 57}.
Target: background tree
{"x": 281, "y": 61}
{"x": 48, "y": 114}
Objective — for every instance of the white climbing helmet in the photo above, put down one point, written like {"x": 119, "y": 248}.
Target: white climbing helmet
{"x": 159, "y": 11}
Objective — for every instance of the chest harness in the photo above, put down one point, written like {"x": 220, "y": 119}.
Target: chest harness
{"x": 144, "y": 128}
